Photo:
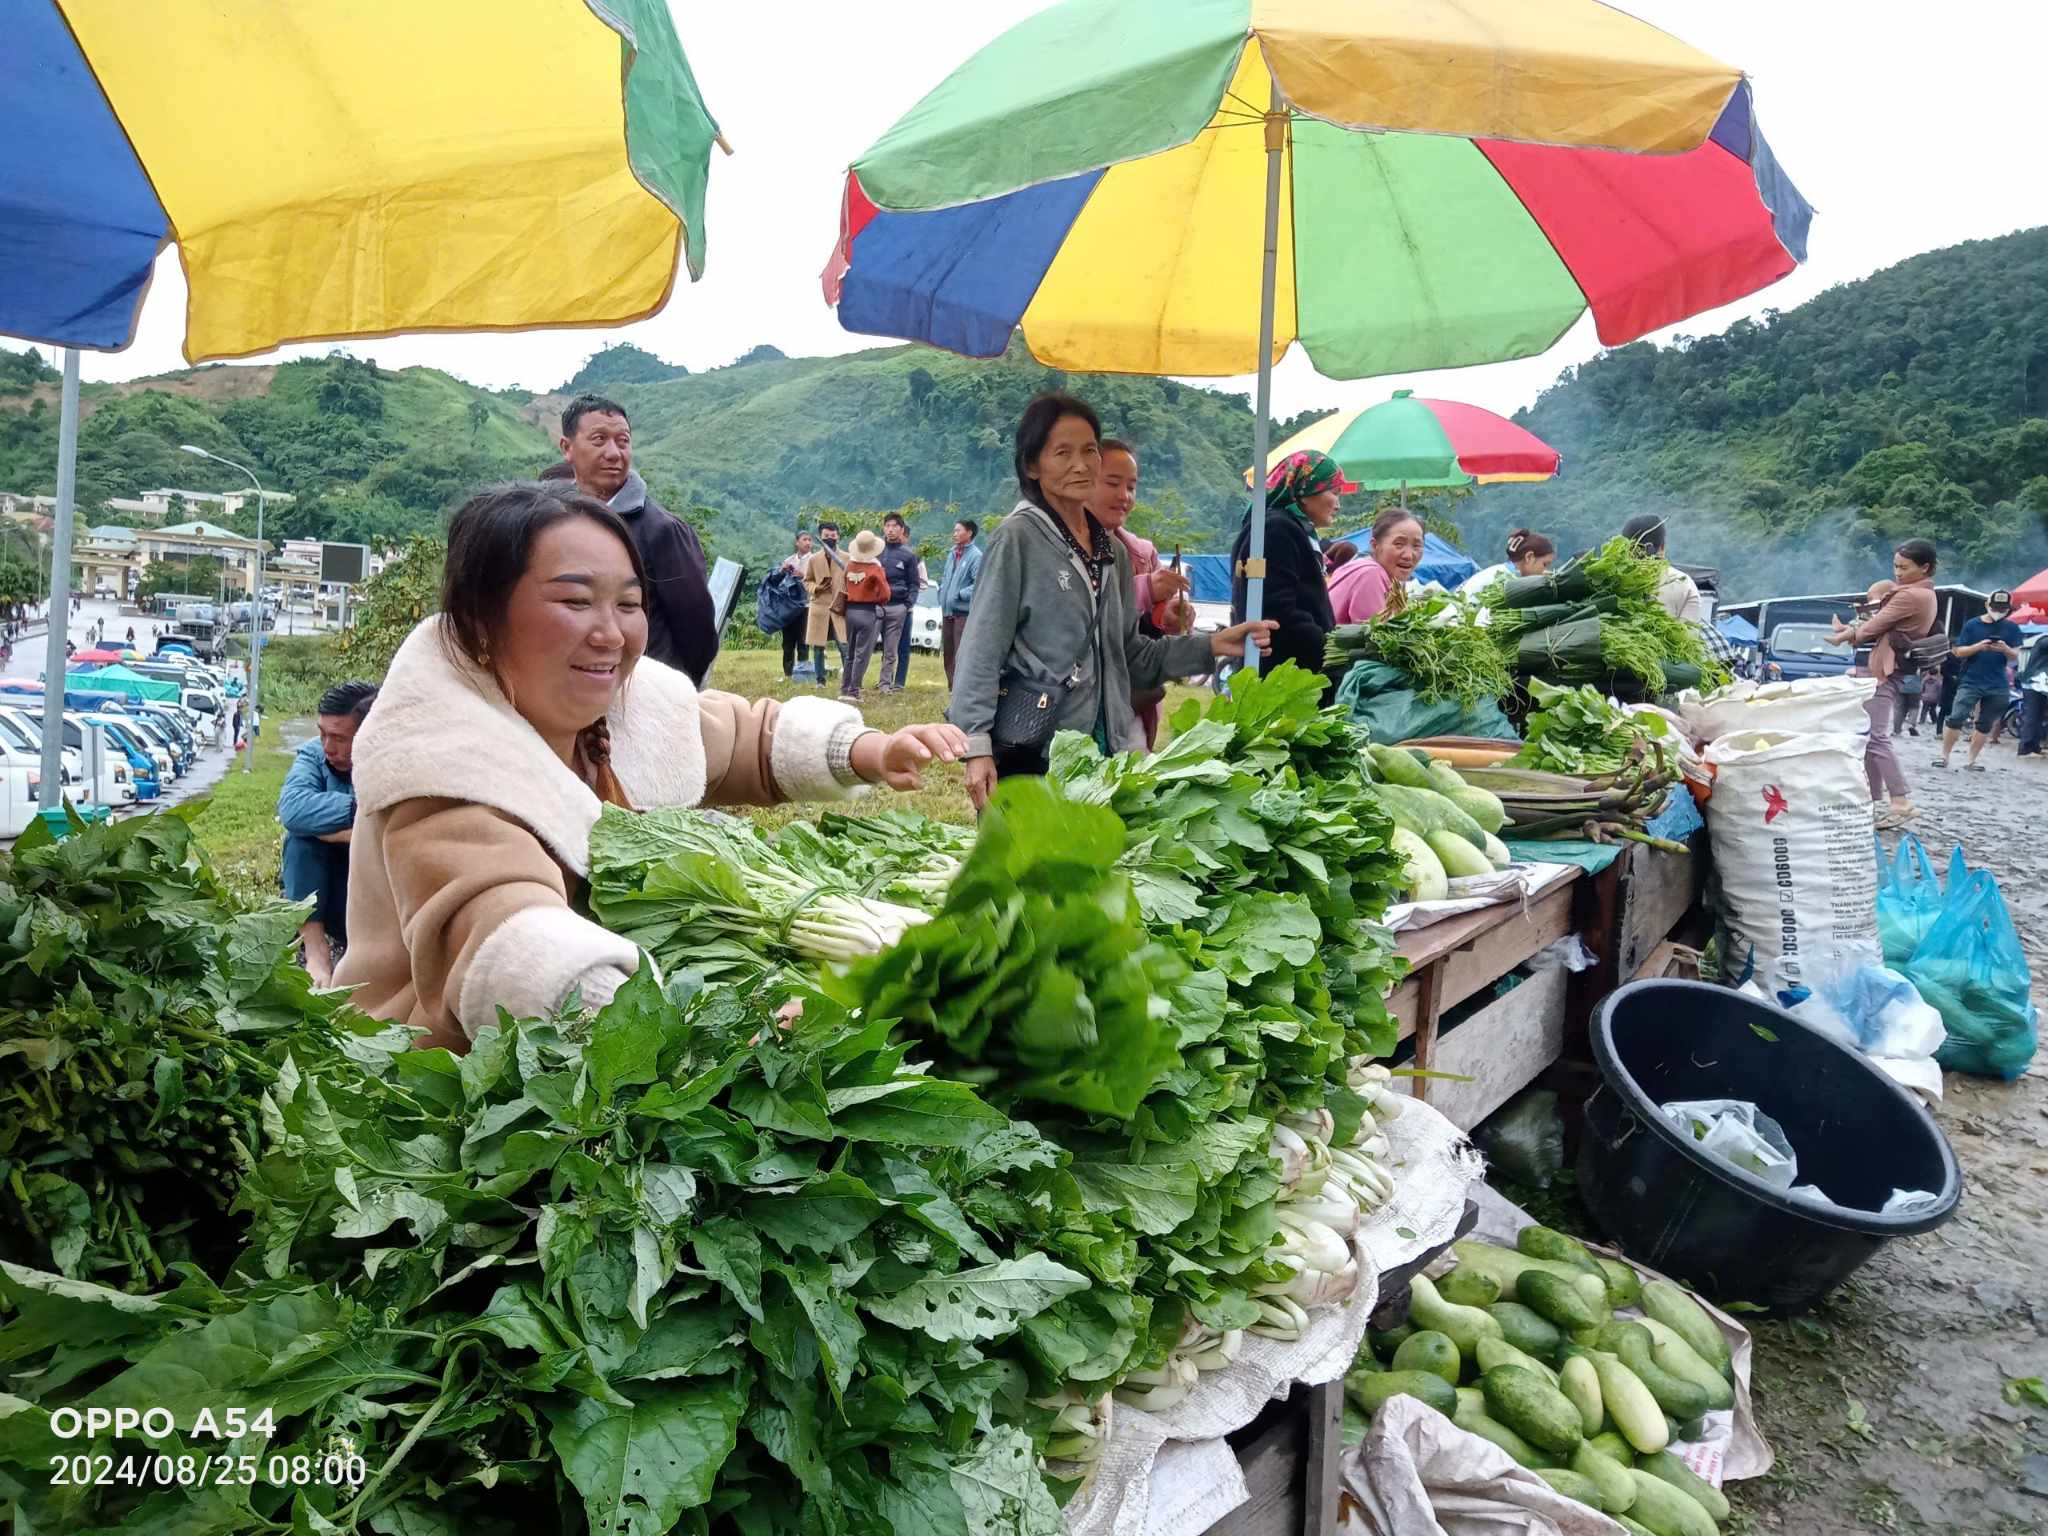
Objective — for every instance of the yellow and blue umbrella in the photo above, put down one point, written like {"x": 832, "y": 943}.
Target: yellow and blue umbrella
{"x": 1439, "y": 183}
{"x": 332, "y": 169}
{"x": 335, "y": 169}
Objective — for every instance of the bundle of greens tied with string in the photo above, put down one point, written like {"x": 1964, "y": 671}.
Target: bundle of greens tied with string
{"x": 1597, "y": 619}
{"x": 1437, "y": 641}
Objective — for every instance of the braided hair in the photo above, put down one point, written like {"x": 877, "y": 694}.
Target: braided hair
{"x": 594, "y": 746}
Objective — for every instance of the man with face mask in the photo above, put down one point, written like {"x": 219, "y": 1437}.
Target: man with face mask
{"x": 597, "y": 453}
{"x": 825, "y": 582}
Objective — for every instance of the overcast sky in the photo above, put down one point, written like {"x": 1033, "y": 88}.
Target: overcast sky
{"x": 1908, "y": 127}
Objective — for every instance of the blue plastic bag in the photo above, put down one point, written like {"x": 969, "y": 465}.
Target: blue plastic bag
{"x": 1971, "y": 968}
{"x": 1909, "y": 898}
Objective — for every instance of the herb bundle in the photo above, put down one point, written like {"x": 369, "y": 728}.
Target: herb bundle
{"x": 1437, "y": 643}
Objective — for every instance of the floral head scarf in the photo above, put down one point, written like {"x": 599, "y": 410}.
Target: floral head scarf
{"x": 1296, "y": 478}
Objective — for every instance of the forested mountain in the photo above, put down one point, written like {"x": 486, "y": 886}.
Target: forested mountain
{"x": 743, "y": 450}
{"x": 1795, "y": 451}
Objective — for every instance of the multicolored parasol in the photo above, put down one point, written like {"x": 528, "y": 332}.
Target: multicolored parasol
{"x": 1409, "y": 441}
{"x": 1439, "y": 183}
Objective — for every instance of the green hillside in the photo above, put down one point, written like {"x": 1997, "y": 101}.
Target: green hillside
{"x": 1797, "y": 450}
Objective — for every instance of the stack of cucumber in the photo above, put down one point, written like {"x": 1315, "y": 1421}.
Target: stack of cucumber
{"x": 1443, "y": 827}
{"x": 1522, "y": 1346}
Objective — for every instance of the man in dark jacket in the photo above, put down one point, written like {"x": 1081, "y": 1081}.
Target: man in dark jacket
{"x": 899, "y": 563}
{"x": 317, "y": 808}
{"x": 597, "y": 453}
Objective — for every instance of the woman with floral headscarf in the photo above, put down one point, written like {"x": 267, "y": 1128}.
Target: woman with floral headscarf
{"x": 1301, "y": 501}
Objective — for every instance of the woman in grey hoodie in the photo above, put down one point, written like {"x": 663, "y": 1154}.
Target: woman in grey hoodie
{"x": 1052, "y": 641}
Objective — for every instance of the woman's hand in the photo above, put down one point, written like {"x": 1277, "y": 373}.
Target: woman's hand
{"x": 1230, "y": 643}
{"x": 898, "y": 759}
{"x": 1168, "y": 583}
{"x": 981, "y": 780}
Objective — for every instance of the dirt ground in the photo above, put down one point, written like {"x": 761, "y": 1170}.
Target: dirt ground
{"x": 1887, "y": 1405}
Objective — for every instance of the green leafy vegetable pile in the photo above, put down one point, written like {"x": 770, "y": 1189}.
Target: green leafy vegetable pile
{"x": 1436, "y": 642}
{"x": 1579, "y": 731}
{"x": 678, "y": 1269}
{"x": 706, "y": 891}
{"x": 144, "y": 1010}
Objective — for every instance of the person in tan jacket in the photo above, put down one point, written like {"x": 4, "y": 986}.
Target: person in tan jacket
{"x": 824, "y": 576}
{"x": 507, "y": 721}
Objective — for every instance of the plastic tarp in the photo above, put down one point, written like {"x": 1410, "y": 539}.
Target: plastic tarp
{"x": 1736, "y": 629}
{"x": 1208, "y": 577}
{"x": 1442, "y": 562}
{"x": 132, "y": 685}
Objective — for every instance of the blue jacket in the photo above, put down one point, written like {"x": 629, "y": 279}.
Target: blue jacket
{"x": 315, "y": 799}
{"x": 956, "y": 587}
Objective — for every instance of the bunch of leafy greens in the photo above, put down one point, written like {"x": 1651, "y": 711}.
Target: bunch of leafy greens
{"x": 1597, "y": 619}
{"x": 1581, "y": 732}
{"x": 143, "y": 1012}
{"x": 700, "y": 1263}
{"x": 707, "y": 892}
{"x": 1437, "y": 642}
{"x": 895, "y": 853}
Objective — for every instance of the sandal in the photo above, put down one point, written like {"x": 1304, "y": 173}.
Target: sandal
{"x": 1892, "y": 820}
{"x": 1974, "y": 768}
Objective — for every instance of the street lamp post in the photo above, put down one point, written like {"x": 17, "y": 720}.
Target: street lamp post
{"x": 255, "y": 599}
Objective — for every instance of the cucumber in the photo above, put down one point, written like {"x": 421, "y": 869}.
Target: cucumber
{"x": 1469, "y": 1287}
{"x": 1421, "y": 868}
{"x": 1634, "y": 1528}
{"x": 1532, "y": 1408}
{"x": 1471, "y": 1400}
{"x": 1672, "y": 1353}
{"x": 1624, "y": 1286}
{"x": 1530, "y": 1332}
{"x": 1683, "y": 1316}
{"x": 1370, "y": 1391}
{"x": 1630, "y": 1344}
{"x": 1510, "y": 1266}
{"x": 1497, "y": 851}
{"x": 1465, "y": 1325}
{"x": 1630, "y": 1405}
{"x": 1560, "y": 1301}
{"x": 1617, "y": 1488}
{"x": 1667, "y": 1468}
{"x": 1460, "y": 858}
{"x": 1617, "y": 1450}
{"x": 1498, "y": 1352}
{"x": 1476, "y": 1421}
{"x": 1483, "y": 806}
{"x": 1573, "y": 1485}
{"x": 1395, "y": 766}
{"x": 1688, "y": 1431}
{"x": 1424, "y": 811}
{"x": 1548, "y": 1243}
{"x": 1432, "y": 1352}
{"x": 1578, "y": 1381}
{"x": 1666, "y": 1511}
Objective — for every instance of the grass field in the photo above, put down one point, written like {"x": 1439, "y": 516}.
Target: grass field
{"x": 240, "y": 832}
{"x": 239, "y": 827}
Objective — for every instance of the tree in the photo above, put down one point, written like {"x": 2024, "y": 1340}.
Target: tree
{"x": 1164, "y": 521}
{"x": 921, "y": 386}
{"x": 479, "y": 416}
{"x": 391, "y": 605}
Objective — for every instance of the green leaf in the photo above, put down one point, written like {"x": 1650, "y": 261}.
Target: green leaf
{"x": 729, "y": 1251}
{"x": 2028, "y": 1389}
{"x": 638, "y": 1469}
{"x": 700, "y": 1338}
{"x": 214, "y": 1365}
{"x": 1154, "y": 1198}
{"x": 626, "y": 1036}
{"x": 924, "y": 1113}
{"x": 832, "y": 1319}
{"x": 819, "y": 1216}
{"x": 1001, "y": 1491}
{"x": 980, "y": 1303}
{"x": 1763, "y": 1033}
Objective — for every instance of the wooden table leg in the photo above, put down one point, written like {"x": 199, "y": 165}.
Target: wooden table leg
{"x": 1320, "y": 1465}
{"x": 1429, "y": 987}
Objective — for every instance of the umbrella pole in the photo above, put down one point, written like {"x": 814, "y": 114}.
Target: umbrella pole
{"x": 1269, "y": 282}
{"x": 59, "y": 622}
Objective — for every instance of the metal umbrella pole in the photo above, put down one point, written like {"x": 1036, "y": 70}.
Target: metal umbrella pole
{"x": 255, "y": 599}
{"x": 1269, "y": 282}
{"x": 59, "y": 625}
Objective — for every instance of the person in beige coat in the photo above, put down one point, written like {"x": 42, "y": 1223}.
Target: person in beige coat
{"x": 824, "y": 576}
{"x": 506, "y": 723}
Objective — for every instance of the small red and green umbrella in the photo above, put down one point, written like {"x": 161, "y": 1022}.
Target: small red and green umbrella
{"x": 1410, "y": 441}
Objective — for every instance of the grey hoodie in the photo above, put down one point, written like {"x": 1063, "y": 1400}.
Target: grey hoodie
{"x": 1035, "y": 617}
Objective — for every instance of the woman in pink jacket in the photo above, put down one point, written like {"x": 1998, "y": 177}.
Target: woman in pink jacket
{"x": 1159, "y": 593}
{"x": 1361, "y": 590}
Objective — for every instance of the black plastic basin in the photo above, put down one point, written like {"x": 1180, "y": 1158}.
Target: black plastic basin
{"x": 1858, "y": 1136}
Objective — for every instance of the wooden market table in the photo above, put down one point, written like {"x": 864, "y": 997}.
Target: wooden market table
{"x": 1623, "y": 914}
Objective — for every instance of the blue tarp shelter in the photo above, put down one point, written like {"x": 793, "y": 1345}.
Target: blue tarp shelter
{"x": 1736, "y": 630}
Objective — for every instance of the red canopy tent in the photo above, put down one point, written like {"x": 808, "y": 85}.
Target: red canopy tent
{"x": 2033, "y": 592}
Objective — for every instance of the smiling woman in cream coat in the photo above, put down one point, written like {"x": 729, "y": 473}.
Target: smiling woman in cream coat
{"x": 506, "y": 723}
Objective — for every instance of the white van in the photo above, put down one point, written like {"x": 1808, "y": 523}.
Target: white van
{"x": 24, "y": 731}
{"x": 21, "y": 781}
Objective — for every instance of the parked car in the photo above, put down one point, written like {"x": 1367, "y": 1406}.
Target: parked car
{"x": 927, "y": 624}
{"x": 1793, "y": 651}
{"x": 25, "y": 731}
{"x": 143, "y": 761}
